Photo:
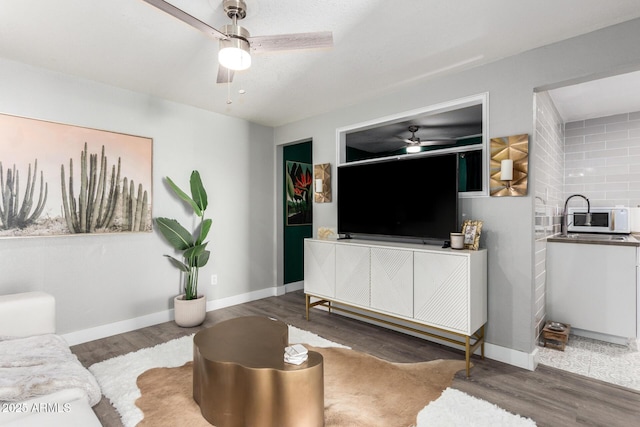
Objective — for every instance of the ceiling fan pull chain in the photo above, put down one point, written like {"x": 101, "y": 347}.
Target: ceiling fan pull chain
{"x": 229, "y": 101}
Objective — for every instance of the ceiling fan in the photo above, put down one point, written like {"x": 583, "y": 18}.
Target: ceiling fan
{"x": 414, "y": 143}
{"x": 236, "y": 44}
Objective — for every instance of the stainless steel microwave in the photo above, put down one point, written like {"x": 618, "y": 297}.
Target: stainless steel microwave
{"x": 603, "y": 220}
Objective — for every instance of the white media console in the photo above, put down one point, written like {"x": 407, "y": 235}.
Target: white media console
{"x": 437, "y": 292}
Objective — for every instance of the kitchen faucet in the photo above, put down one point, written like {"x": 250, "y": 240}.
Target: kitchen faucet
{"x": 565, "y": 221}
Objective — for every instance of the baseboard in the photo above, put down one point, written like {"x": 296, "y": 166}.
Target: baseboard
{"x": 601, "y": 337}
{"x": 294, "y": 286}
{"x": 103, "y": 331}
{"x": 246, "y": 297}
{"x": 528, "y": 361}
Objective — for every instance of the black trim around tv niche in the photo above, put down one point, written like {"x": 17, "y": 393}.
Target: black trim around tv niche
{"x": 410, "y": 198}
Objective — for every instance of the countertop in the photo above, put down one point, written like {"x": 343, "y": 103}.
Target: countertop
{"x": 598, "y": 239}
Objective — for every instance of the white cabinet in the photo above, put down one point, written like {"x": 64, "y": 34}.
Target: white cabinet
{"x": 320, "y": 268}
{"x": 442, "y": 297}
{"x": 426, "y": 285}
{"x": 593, "y": 287}
{"x": 352, "y": 274}
{"x": 392, "y": 281}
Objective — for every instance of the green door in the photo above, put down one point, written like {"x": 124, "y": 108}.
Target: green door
{"x": 298, "y": 198}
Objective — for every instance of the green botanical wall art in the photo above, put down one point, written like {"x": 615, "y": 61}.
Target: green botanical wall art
{"x": 60, "y": 179}
{"x": 299, "y": 177}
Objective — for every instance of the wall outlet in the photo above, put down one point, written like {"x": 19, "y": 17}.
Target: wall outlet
{"x": 214, "y": 279}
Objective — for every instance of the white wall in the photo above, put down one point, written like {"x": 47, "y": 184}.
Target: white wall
{"x": 98, "y": 280}
{"x": 508, "y": 222}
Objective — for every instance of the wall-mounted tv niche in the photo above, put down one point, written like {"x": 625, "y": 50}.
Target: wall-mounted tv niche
{"x": 411, "y": 197}
{"x": 458, "y": 126}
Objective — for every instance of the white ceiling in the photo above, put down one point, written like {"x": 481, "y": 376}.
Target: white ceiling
{"x": 379, "y": 46}
{"x": 598, "y": 98}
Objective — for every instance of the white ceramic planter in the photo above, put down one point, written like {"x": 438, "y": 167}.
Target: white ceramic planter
{"x": 189, "y": 313}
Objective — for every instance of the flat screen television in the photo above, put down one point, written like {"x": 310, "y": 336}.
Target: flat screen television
{"x": 414, "y": 198}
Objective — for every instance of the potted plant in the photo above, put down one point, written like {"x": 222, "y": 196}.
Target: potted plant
{"x": 190, "y": 308}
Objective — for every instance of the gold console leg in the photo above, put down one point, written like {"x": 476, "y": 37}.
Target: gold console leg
{"x": 308, "y": 300}
{"x": 467, "y": 355}
{"x": 482, "y": 345}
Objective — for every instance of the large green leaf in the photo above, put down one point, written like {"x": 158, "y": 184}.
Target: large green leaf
{"x": 175, "y": 234}
{"x": 204, "y": 230}
{"x": 198, "y": 193}
{"x": 192, "y": 255}
{"x": 202, "y": 259}
{"x": 181, "y": 265}
{"x": 185, "y": 197}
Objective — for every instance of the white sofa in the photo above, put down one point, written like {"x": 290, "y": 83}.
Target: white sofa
{"x": 27, "y": 320}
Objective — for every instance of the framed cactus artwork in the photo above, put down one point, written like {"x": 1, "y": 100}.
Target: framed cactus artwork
{"x": 60, "y": 179}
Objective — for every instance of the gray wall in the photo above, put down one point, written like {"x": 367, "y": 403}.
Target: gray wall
{"x": 508, "y": 222}
{"x": 99, "y": 280}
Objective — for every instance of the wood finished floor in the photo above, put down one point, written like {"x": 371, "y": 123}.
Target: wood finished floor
{"x": 549, "y": 396}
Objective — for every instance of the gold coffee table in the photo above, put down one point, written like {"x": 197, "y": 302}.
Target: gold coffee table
{"x": 240, "y": 377}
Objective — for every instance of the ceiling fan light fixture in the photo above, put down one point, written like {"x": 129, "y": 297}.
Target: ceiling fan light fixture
{"x": 234, "y": 51}
{"x": 234, "y": 54}
{"x": 413, "y": 149}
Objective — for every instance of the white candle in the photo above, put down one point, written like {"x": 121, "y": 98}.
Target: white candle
{"x": 506, "y": 170}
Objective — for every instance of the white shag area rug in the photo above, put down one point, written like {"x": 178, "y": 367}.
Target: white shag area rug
{"x": 457, "y": 409}
{"x": 117, "y": 378}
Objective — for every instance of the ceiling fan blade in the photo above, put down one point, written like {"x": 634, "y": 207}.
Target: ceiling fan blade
{"x": 186, "y": 18}
{"x": 295, "y": 41}
{"x": 437, "y": 142}
{"x": 225, "y": 75}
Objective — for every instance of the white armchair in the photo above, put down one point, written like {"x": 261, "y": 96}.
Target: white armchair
{"x": 26, "y": 321}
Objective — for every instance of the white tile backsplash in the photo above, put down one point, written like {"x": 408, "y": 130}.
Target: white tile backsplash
{"x": 548, "y": 187}
{"x": 602, "y": 159}
{"x": 626, "y": 160}
{"x": 586, "y": 130}
{"x": 617, "y": 118}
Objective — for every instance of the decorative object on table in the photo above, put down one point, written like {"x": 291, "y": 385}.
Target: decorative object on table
{"x": 98, "y": 197}
{"x": 190, "y": 308}
{"x": 555, "y": 335}
{"x": 326, "y": 233}
{"x": 299, "y": 188}
{"x": 509, "y": 165}
{"x": 296, "y": 354}
{"x": 322, "y": 183}
{"x": 457, "y": 241}
{"x": 471, "y": 231}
